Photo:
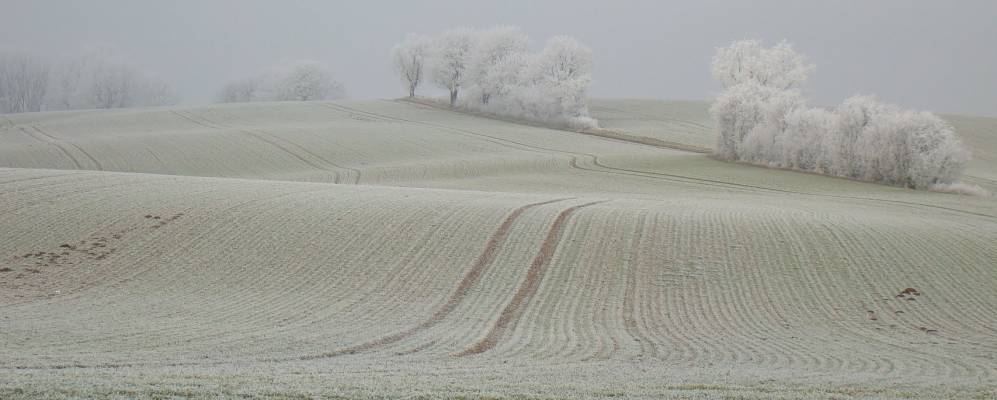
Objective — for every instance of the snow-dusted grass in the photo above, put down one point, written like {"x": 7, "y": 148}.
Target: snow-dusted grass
{"x": 358, "y": 249}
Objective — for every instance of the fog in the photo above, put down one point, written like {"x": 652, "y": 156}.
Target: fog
{"x": 927, "y": 55}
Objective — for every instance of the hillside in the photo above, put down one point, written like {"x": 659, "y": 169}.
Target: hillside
{"x": 388, "y": 249}
{"x": 689, "y": 123}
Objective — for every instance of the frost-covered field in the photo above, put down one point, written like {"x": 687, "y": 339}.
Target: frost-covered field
{"x": 391, "y": 249}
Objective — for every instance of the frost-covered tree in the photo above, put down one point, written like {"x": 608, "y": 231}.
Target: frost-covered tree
{"x": 741, "y": 109}
{"x": 101, "y": 77}
{"x": 855, "y": 114}
{"x": 765, "y": 142}
{"x": 23, "y": 81}
{"x": 745, "y": 61}
{"x": 300, "y": 80}
{"x": 564, "y": 70}
{"x": 409, "y": 59}
{"x": 304, "y": 80}
{"x": 451, "y": 57}
{"x": 497, "y": 74}
{"x": 495, "y": 51}
{"x": 763, "y": 119}
{"x": 808, "y": 139}
{"x": 909, "y": 149}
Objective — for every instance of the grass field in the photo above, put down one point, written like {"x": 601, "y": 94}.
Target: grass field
{"x": 392, "y": 249}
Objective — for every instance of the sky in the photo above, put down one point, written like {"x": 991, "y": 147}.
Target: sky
{"x": 933, "y": 55}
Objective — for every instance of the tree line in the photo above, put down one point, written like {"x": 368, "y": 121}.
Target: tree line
{"x": 492, "y": 70}
{"x": 763, "y": 118}
{"x": 100, "y": 77}
{"x": 96, "y": 77}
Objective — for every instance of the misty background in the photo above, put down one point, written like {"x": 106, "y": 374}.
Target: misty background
{"x": 930, "y": 55}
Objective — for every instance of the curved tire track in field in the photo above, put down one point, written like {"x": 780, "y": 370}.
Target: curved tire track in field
{"x": 45, "y": 137}
{"x": 269, "y": 139}
{"x": 513, "y": 311}
{"x": 357, "y": 173}
{"x": 48, "y": 140}
{"x": 75, "y": 146}
{"x": 274, "y": 141}
{"x": 471, "y": 277}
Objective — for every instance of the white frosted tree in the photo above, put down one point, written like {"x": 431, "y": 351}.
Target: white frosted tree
{"x": 910, "y": 149}
{"x": 496, "y": 50}
{"x": 304, "y": 80}
{"x": 24, "y": 80}
{"x": 763, "y": 119}
{"x": 451, "y": 57}
{"x": 738, "y": 111}
{"x": 855, "y": 114}
{"x": 563, "y": 71}
{"x": 744, "y": 61}
{"x": 496, "y": 73}
{"x": 808, "y": 139}
{"x": 409, "y": 59}
{"x": 765, "y": 142}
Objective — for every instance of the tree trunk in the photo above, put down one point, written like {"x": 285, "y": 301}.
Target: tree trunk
{"x": 453, "y": 97}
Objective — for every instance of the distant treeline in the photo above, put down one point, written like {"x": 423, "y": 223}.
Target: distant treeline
{"x": 299, "y": 80}
{"x": 96, "y": 77}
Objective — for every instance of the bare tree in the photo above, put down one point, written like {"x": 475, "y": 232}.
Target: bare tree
{"x": 409, "y": 59}
{"x": 23, "y": 82}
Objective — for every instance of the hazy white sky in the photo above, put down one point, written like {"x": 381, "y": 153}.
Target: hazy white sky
{"x": 937, "y": 55}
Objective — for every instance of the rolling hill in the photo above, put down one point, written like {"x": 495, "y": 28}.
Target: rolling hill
{"x": 391, "y": 249}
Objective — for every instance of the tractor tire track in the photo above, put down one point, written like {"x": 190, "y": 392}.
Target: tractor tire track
{"x": 303, "y": 149}
{"x": 470, "y": 278}
{"x": 514, "y": 310}
{"x": 77, "y": 147}
{"x": 64, "y": 151}
{"x": 268, "y": 139}
{"x": 275, "y": 141}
